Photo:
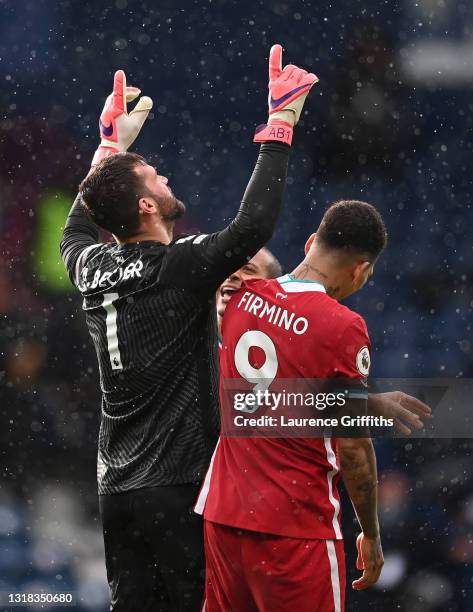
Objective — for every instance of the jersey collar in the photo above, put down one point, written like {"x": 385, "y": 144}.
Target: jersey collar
{"x": 293, "y": 285}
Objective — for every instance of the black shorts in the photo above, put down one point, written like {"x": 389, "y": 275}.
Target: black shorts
{"x": 154, "y": 549}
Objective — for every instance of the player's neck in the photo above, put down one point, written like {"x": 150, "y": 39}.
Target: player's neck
{"x": 160, "y": 232}
{"x": 318, "y": 271}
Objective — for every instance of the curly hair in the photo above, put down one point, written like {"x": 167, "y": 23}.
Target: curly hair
{"x": 353, "y": 226}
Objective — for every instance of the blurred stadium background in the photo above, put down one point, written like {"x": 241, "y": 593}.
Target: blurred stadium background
{"x": 390, "y": 122}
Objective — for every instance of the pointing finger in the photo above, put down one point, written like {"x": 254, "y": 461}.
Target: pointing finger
{"x": 275, "y": 62}
{"x": 119, "y": 90}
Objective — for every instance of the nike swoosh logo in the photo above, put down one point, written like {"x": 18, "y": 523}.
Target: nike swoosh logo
{"x": 278, "y": 101}
{"x": 107, "y": 130}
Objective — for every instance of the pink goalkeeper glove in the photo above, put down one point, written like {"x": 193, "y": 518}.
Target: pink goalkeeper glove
{"x": 118, "y": 128}
{"x": 288, "y": 90}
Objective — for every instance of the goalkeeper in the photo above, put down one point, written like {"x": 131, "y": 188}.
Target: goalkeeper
{"x": 149, "y": 304}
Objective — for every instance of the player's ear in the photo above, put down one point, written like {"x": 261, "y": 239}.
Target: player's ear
{"x": 147, "y": 206}
{"x": 361, "y": 273}
{"x": 309, "y": 243}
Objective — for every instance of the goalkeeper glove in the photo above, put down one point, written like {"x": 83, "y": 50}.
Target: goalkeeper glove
{"x": 288, "y": 89}
{"x": 118, "y": 128}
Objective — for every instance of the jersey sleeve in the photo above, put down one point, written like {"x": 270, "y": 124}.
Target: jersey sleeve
{"x": 353, "y": 365}
{"x": 354, "y": 353}
{"x": 80, "y": 237}
{"x": 201, "y": 263}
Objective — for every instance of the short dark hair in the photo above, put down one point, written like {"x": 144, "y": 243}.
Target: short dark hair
{"x": 353, "y": 226}
{"x": 273, "y": 267}
{"x": 111, "y": 192}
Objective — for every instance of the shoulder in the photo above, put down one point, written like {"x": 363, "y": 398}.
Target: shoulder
{"x": 90, "y": 251}
{"x": 348, "y": 333}
{"x": 187, "y": 239}
{"x": 349, "y": 324}
{"x": 86, "y": 259}
{"x": 354, "y": 345}
{"x": 257, "y": 284}
{"x": 348, "y": 318}
{"x": 114, "y": 264}
{"x": 121, "y": 253}
{"x": 186, "y": 248}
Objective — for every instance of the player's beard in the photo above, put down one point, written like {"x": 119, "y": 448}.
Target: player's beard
{"x": 171, "y": 208}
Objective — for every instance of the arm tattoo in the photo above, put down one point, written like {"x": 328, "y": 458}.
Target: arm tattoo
{"x": 358, "y": 469}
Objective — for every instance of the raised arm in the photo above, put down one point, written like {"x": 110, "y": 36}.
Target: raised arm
{"x": 80, "y": 234}
{"x": 203, "y": 262}
{"x": 118, "y": 131}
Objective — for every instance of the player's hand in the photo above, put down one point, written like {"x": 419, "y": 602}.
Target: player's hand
{"x": 370, "y": 560}
{"x": 406, "y": 411}
{"x": 118, "y": 128}
{"x": 288, "y": 88}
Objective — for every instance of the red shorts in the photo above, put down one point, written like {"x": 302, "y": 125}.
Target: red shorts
{"x": 247, "y": 571}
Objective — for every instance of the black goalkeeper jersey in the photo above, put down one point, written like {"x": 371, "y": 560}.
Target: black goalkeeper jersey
{"x": 150, "y": 310}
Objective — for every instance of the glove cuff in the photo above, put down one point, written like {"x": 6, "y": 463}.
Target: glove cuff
{"x": 280, "y": 131}
{"x": 103, "y": 152}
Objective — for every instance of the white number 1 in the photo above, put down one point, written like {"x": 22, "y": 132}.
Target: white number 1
{"x": 111, "y": 325}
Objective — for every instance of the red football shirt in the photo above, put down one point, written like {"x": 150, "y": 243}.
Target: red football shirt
{"x": 283, "y": 486}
